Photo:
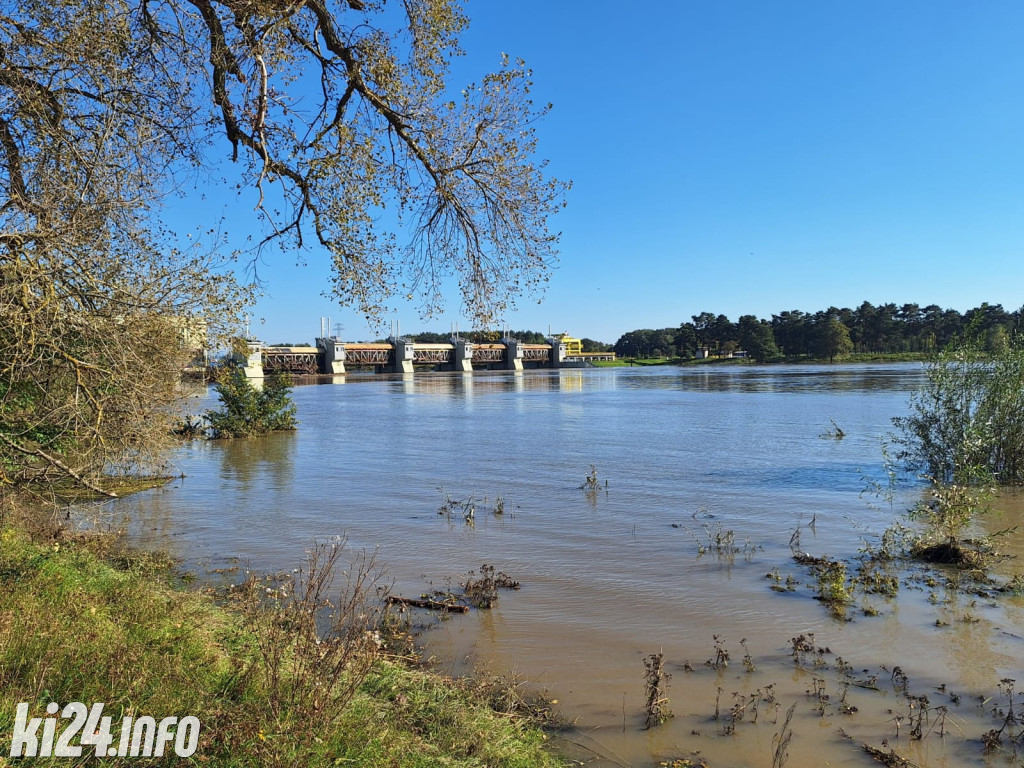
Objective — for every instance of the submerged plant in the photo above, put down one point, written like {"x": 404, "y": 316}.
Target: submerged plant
{"x": 464, "y": 507}
{"x": 467, "y": 508}
{"x": 590, "y": 482}
{"x": 968, "y": 414}
{"x": 836, "y": 433}
{"x": 946, "y": 516}
{"x": 247, "y": 411}
{"x": 655, "y": 701}
{"x": 721, "y": 654}
{"x": 1012, "y": 727}
{"x": 748, "y": 660}
{"x": 780, "y": 741}
{"x": 874, "y": 578}
{"x": 831, "y": 586}
{"x": 722, "y": 543}
{"x": 1015, "y": 586}
{"x": 482, "y": 591}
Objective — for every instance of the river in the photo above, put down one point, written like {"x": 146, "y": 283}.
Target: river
{"x": 613, "y": 574}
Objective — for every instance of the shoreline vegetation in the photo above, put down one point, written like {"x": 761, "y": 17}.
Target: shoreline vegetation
{"x": 90, "y": 621}
{"x": 856, "y": 357}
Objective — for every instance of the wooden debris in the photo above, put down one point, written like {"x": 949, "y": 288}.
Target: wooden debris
{"x": 434, "y": 605}
{"x": 889, "y": 758}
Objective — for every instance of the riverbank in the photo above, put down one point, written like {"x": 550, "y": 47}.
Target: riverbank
{"x": 82, "y": 620}
{"x": 858, "y": 357}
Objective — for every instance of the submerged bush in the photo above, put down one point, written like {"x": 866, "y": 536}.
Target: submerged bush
{"x": 966, "y": 424}
{"x": 249, "y": 411}
{"x": 946, "y": 516}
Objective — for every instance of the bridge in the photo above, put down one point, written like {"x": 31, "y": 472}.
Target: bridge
{"x": 333, "y": 356}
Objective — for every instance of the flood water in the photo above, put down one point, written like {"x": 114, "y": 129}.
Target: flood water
{"x": 611, "y": 576}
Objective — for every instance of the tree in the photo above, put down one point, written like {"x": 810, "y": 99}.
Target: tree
{"x": 529, "y": 337}
{"x": 664, "y": 342}
{"x": 703, "y": 328}
{"x": 646, "y": 342}
{"x": 429, "y": 337}
{"x": 109, "y": 105}
{"x": 686, "y": 341}
{"x": 997, "y": 340}
{"x": 724, "y": 336}
{"x": 247, "y": 411}
{"x": 589, "y": 345}
{"x": 791, "y": 333}
{"x": 967, "y": 421}
{"x": 835, "y": 340}
{"x": 638, "y": 343}
{"x": 327, "y": 118}
{"x": 757, "y": 339}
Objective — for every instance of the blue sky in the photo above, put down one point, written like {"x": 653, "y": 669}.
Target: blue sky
{"x": 739, "y": 157}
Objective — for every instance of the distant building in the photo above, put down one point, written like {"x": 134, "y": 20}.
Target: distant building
{"x": 573, "y": 347}
{"x": 193, "y": 337}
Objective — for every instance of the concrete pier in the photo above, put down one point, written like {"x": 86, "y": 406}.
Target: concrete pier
{"x": 463, "y": 356}
{"x": 252, "y": 362}
{"x": 557, "y": 353}
{"x": 405, "y": 353}
{"x": 334, "y": 355}
{"x": 513, "y": 355}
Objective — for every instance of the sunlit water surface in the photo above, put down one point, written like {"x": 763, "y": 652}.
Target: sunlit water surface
{"x": 611, "y": 576}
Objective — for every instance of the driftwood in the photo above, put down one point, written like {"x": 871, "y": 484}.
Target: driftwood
{"x": 889, "y": 758}
{"x": 434, "y": 605}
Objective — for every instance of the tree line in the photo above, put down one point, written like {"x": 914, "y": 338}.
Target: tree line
{"x": 830, "y": 333}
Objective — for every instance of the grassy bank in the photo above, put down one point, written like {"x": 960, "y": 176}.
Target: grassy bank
{"x": 858, "y": 357}
{"x": 82, "y": 622}
{"x": 867, "y": 357}
{"x": 630, "y": 361}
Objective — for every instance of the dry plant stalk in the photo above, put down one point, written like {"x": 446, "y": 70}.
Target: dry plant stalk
{"x": 655, "y": 705}
{"x": 315, "y": 650}
{"x": 780, "y": 741}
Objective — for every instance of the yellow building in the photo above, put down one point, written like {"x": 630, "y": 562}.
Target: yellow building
{"x": 573, "y": 347}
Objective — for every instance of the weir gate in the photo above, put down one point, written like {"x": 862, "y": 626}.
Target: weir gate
{"x": 333, "y": 356}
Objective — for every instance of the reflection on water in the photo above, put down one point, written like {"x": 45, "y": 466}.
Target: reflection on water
{"x": 780, "y": 379}
{"x": 265, "y": 459}
{"x": 609, "y": 577}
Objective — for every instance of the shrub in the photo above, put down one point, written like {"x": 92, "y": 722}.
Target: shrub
{"x": 947, "y": 515}
{"x": 967, "y": 422}
{"x": 249, "y": 411}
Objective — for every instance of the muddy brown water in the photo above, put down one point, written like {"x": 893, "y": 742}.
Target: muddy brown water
{"x": 612, "y": 575}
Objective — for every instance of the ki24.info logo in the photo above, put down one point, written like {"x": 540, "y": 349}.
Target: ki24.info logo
{"x": 88, "y": 728}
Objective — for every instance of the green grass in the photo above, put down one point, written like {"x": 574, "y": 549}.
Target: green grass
{"x": 857, "y": 357}
{"x": 628, "y": 361}
{"x": 81, "y": 623}
{"x": 720, "y": 361}
{"x": 863, "y": 357}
